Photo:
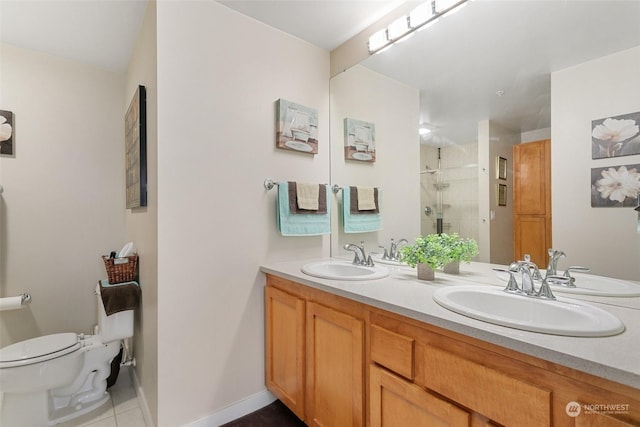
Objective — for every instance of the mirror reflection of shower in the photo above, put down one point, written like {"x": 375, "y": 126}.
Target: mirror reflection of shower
{"x": 449, "y": 192}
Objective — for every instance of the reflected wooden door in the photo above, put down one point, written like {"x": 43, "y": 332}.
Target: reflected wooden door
{"x": 532, "y": 200}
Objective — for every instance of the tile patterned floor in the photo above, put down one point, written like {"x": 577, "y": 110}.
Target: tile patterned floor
{"x": 122, "y": 410}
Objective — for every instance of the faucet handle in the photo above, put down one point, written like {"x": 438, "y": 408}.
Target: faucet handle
{"x": 512, "y": 286}
{"x": 561, "y": 281}
{"x": 568, "y": 271}
{"x": 545, "y": 291}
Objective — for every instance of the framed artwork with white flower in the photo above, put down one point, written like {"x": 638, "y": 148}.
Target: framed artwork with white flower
{"x": 615, "y": 186}
{"x": 615, "y": 136}
{"x": 6, "y": 132}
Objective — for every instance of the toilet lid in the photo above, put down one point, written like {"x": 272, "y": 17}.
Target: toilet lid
{"x": 38, "y": 349}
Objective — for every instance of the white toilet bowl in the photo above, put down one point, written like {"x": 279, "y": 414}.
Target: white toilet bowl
{"x": 54, "y": 378}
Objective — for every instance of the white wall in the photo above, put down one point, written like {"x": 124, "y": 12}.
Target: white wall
{"x": 502, "y": 141}
{"x": 142, "y": 223}
{"x": 496, "y": 222}
{"x": 604, "y": 239}
{"x": 393, "y": 108}
{"x": 219, "y": 76}
{"x": 535, "y": 135}
{"x": 63, "y": 201}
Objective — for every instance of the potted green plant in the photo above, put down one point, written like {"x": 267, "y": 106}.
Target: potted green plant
{"x": 428, "y": 253}
{"x": 461, "y": 250}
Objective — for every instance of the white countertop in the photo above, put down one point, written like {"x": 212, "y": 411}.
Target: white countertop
{"x": 616, "y": 358}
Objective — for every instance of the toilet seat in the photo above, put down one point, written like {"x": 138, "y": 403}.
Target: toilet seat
{"x": 38, "y": 349}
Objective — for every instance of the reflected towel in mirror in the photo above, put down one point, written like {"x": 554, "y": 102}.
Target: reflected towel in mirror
{"x": 359, "y": 223}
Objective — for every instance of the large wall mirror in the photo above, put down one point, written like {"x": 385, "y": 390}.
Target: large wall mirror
{"x": 473, "y": 84}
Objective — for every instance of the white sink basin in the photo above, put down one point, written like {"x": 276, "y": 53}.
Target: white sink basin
{"x": 560, "y": 317}
{"x": 343, "y": 270}
{"x": 379, "y": 260}
{"x": 589, "y": 284}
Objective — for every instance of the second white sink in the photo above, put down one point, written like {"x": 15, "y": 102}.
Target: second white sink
{"x": 343, "y": 270}
{"x": 563, "y": 316}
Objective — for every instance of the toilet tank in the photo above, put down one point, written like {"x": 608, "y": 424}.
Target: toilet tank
{"x": 115, "y": 327}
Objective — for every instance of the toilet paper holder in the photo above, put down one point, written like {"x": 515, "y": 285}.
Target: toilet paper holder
{"x": 13, "y": 303}
{"x": 26, "y": 298}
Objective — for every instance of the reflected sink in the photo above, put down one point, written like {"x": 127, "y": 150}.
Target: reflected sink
{"x": 590, "y": 284}
{"x": 560, "y": 317}
{"x": 343, "y": 270}
{"x": 379, "y": 260}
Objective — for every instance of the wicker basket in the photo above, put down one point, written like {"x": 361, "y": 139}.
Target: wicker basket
{"x": 121, "y": 269}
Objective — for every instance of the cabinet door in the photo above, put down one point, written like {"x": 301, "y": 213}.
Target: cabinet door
{"x": 396, "y": 402}
{"x": 335, "y": 368}
{"x": 284, "y": 339}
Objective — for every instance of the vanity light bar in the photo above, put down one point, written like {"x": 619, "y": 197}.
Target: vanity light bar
{"x": 418, "y": 18}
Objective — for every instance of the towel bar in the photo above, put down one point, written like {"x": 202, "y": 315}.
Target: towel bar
{"x": 269, "y": 184}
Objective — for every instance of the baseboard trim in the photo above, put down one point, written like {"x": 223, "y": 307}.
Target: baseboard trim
{"x": 142, "y": 401}
{"x": 236, "y": 410}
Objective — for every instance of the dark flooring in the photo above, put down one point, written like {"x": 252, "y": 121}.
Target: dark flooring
{"x": 275, "y": 414}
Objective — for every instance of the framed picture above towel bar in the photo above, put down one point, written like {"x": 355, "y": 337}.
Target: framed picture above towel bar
{"x": 296, "y": 127}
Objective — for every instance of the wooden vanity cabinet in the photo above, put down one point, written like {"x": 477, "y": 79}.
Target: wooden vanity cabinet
{"x": 336, "y": 362}
{"x": 315, "y": 354}
{"x": 285, "y": 340}
{"x": 335, "y": 367}
{"x": 394, "y": 401}
{"x": 494, "y": 385}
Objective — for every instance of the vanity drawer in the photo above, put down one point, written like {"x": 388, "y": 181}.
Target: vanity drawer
{"x": 501, "y": 397}
{"x": 393, "y": 351}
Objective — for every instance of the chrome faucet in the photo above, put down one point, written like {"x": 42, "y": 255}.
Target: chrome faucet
{"x": 527, "y": 286}
{"x": 360, "y": 257}
{"x": 554, "y": 256}
{"x": 524, "y": 267}
{"x": 393, "y": 254}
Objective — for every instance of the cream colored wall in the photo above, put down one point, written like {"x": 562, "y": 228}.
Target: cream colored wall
{"x": 496, "y": 222}
{"x": 219, "y": 76}
{"x": 142, "y": 223}
{"x": 604, "y": 239}
{"x": 501, "y": 145}
{"x": 63, "y": 201}
{"x": 362, "y": 94}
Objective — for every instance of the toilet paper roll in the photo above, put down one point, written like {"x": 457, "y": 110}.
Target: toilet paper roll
{"x": 10, "y": 303}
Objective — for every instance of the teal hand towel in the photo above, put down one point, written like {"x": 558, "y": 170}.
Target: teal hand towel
{"x": 290, "y": 224}
{"x": 358, "y": 223}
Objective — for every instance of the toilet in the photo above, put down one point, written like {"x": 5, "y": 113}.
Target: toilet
{"x": 54, "y": 378}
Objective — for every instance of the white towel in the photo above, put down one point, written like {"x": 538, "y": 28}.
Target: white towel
{"x": 366, "y": 201}
{"x": 307, "y": 195}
